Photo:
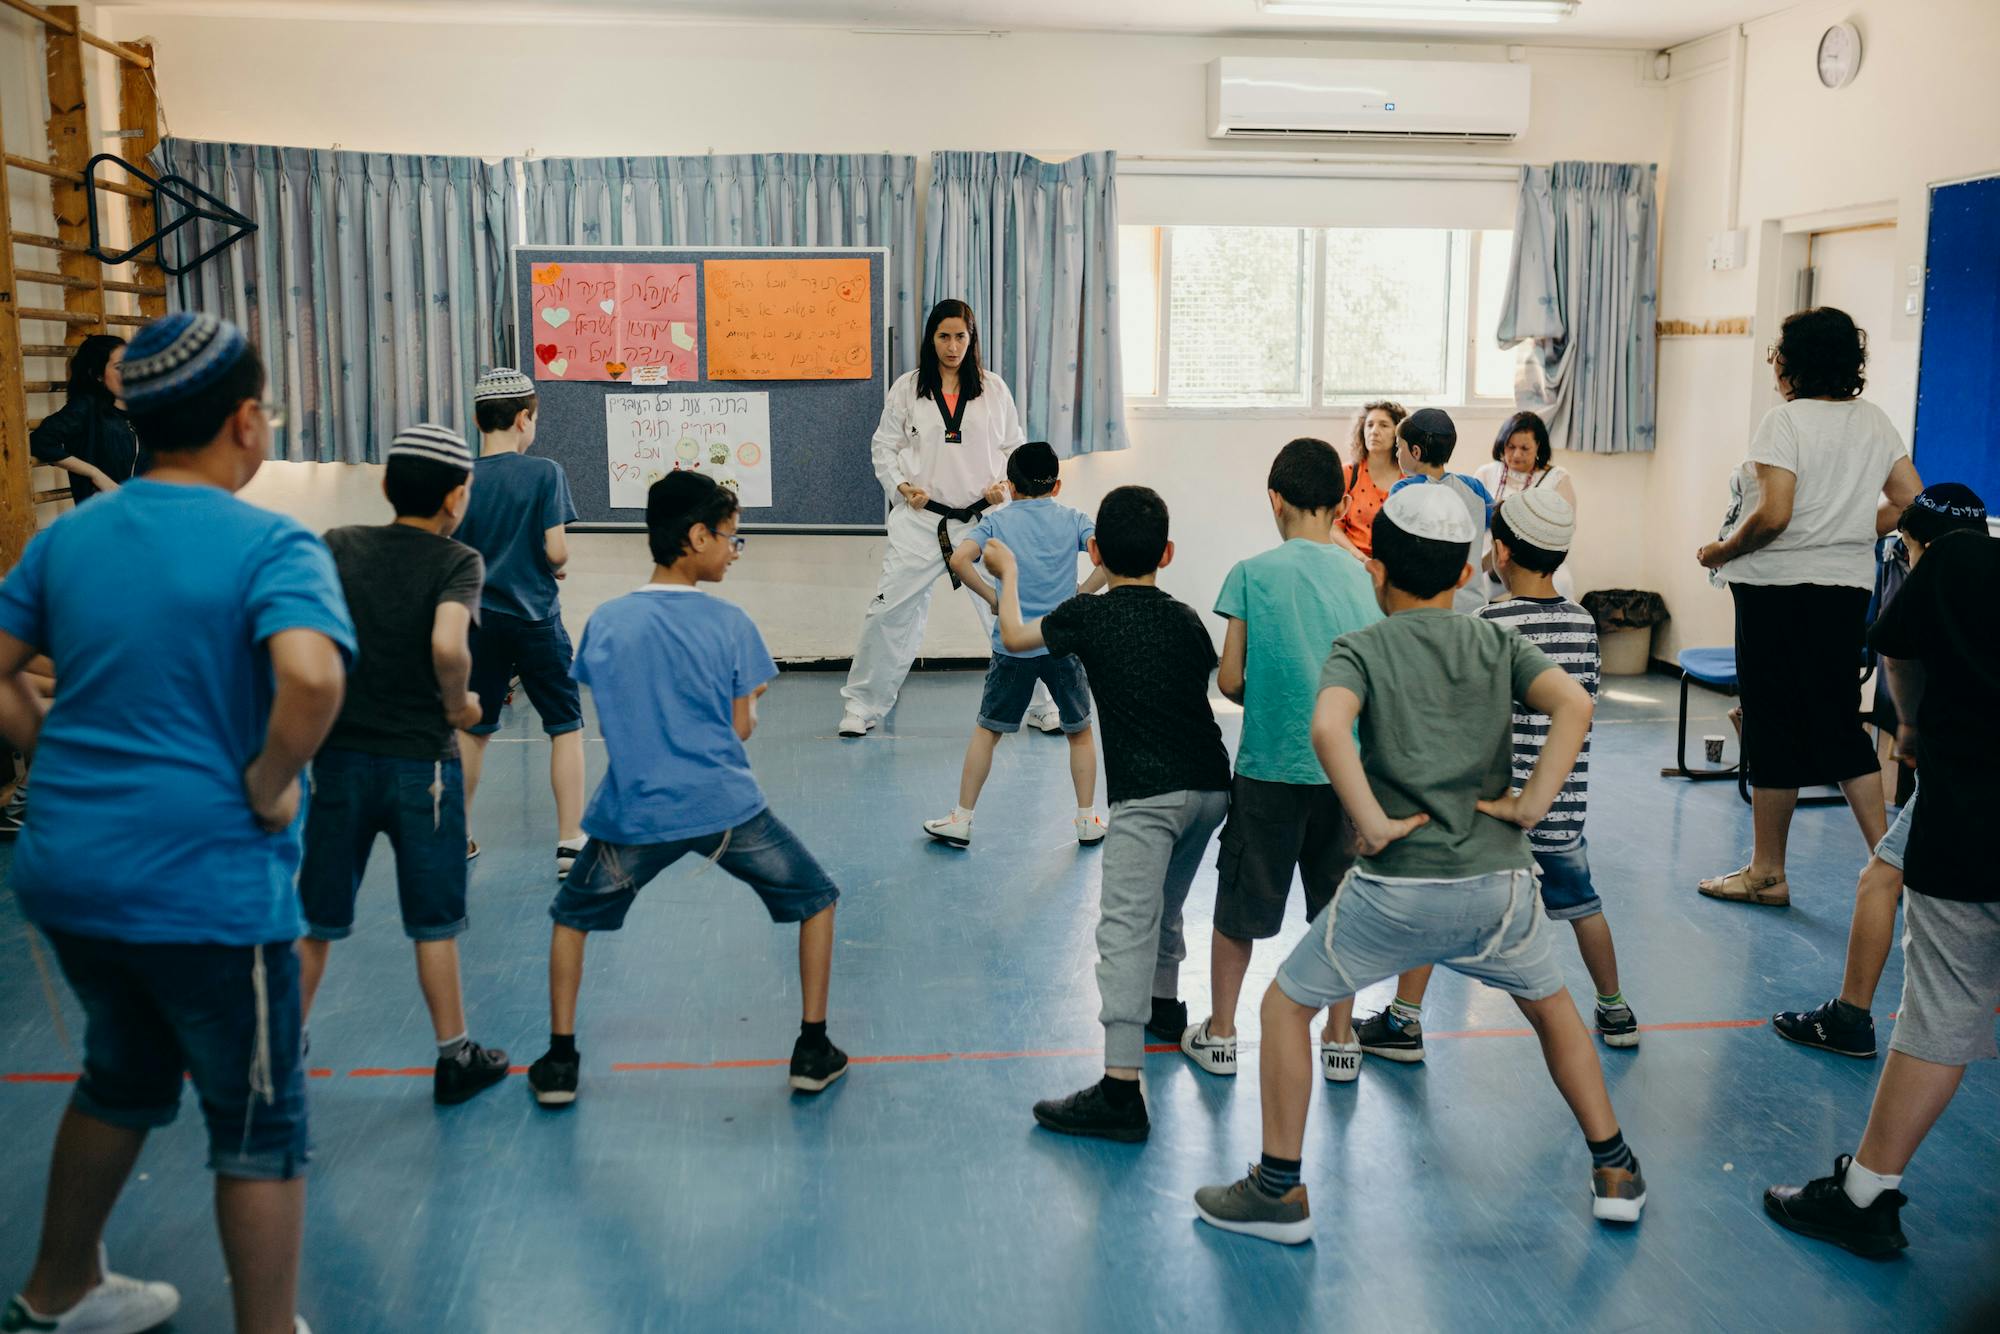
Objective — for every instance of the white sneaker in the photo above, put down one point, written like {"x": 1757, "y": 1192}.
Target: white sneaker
{"x": 1045, "y": 718}
{"x": 299, "y": 1325}
{"x": 1340, "y": 1062}
{"x": 118, "y": 1305}
{"x": 1089, "y": 829}
{"x": 853, "y": 724}
{"x": 1215, "y": 1055}
{"x": 950, "y": 830}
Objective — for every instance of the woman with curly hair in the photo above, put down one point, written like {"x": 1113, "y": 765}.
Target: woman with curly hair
{"x": 1371, "y": 471}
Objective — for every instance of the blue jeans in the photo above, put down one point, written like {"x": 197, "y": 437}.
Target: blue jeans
{"x": 1485, "y": 928}
{"x": 1010, "y": 682}
{"x": 153, "y": 1011}
{"x": 1567, "y": 893}
{"x": 420, "y": 805}
{"x": 504, "y": 647}
{"x": 760, "y": 852}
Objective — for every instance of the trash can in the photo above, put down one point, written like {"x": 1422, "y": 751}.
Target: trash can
{"x": 1625, "y": 620}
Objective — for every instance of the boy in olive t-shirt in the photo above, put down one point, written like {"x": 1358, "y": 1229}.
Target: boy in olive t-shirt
{"x": 1444, "y": 875}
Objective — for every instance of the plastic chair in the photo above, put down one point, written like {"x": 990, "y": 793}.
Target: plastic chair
{"x": 1714, "y": 668}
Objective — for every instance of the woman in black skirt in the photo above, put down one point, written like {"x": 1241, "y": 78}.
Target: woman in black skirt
{"x": 1800, "y": 566}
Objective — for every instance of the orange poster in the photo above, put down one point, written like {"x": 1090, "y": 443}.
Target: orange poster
{"x": 788, "y": 319}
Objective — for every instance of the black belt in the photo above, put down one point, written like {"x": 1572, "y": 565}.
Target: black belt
{"x": 965, "y": 515}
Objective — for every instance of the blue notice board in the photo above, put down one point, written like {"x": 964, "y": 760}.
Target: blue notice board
{"x": 1958, "y": 368}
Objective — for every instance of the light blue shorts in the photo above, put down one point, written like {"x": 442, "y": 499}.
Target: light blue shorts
{"x": 1897, "y": 840}
{"x": 1488, "y": 927}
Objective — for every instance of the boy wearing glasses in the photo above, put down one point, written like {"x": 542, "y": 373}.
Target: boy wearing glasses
{"x": 676, "y": 675}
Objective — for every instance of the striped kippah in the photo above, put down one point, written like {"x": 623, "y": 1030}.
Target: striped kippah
{"x": 502, "y": 382}
{"x": 178, "y": 355}
{"x": 439, "y": 444}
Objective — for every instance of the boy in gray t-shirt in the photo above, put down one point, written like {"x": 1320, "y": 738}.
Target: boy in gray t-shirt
{"x": 1444, "y": 871}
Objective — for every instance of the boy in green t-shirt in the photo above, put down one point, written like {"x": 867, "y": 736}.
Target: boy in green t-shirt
{"x": 1444, "y": 875}
{"x": 1285, "y": 608}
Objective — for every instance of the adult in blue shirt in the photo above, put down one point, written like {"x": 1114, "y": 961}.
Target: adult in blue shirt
{"x": 201, "y": 643}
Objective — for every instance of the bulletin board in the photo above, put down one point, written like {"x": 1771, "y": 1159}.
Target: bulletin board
{"x": 1958, "y": 394}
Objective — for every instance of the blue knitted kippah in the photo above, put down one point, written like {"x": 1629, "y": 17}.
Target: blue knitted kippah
{"x": 177, "y": 356}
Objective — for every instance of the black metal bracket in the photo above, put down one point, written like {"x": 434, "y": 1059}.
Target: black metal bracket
{"x": 195, "y": 205}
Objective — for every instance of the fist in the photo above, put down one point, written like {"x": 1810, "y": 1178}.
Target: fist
{"x": 468, "y": 714}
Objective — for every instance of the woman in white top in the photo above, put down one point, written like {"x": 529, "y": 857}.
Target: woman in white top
{"x": 1801, "y": 566}
{"x": 1521, "y": 454}
{"x": 941, "y": 456}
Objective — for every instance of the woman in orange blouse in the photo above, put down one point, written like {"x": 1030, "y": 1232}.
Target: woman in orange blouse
{"x": 1371, "y": 471}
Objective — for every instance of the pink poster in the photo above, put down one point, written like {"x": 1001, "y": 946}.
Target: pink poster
{"x": 632, "y": 323}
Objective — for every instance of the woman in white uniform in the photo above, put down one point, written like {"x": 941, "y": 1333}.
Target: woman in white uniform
{"x": 941, "y": 455}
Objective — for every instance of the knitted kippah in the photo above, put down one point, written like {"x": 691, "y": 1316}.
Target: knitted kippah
{"x": 1954, "y": 500}
{"x": 1541, "y": 518}
{"x": 502, "y": 382}
{"x": 176, "y": 356}
{"x": 440, "y": 444}
{"x": 1434, "y": 512}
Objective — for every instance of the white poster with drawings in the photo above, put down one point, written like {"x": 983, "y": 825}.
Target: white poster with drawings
{"x": 727, "y": 436}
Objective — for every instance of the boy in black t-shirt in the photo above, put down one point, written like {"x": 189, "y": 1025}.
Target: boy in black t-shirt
{"x": 391, "y": 764}
{"x": 1148, "y": 658}
{"x": 1951, "y": 899}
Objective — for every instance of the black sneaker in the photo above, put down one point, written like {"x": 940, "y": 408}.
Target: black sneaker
{"x": 1836, "y": 1026}
{"x": 1088, "y": 1112}
{"x": 1617, "y": 1025}
{"x": 1169, "y": 1021}
{"x": 553, "y": 1079}
{"x": 473, "y": 1070}
{"x": 1391, "y": 1038}
{"x": 814, "y": 1067}
{"x": 1821, "y": 1209}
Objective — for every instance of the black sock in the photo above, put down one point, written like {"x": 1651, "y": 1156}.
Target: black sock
{"x": 1275, "y": 1176}
{"x": 1121, "y": 1092}
{"x": 562, "y": 1046}
{"x": 812, "y": 1035}
{"x": 1611, "y": 1152}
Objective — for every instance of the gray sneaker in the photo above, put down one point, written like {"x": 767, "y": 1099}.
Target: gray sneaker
{"x": 1242, "y": 1206}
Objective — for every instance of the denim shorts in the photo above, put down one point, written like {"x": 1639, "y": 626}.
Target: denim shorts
{"x": 1567, "y": 893}
{"x": 504, "y": 647}
{"x": 1010, "y": 681}
{"x": 1897, "y": 841}
{"x": 760, "y": 852}
{"x": 420, "y": 805}
{"x": 153, "y": 1011}
{"x": 1486, "y": 928}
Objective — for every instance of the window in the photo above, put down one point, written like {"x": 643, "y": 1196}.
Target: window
{"x": 1302, "y": 318}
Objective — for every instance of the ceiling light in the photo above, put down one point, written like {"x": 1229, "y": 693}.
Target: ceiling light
{"x": 1428, "y": 11}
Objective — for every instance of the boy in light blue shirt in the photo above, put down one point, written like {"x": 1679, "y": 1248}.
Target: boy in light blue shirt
{"x": 676, "y": 675}
{"x": 1424, "y": 444}
{"x": 1046, "y": 539}
{"x": 1285, "y": 608}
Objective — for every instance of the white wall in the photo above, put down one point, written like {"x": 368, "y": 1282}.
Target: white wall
{"x": 1924, "y": 108}
{"x": 506, "y": 88}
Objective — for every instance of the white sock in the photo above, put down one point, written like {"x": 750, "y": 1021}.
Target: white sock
{"x": 449, "y": 1048}
{"x": 961, "y": 814}
{"x": 1863, "y": 1186}
{"x": 573, "y": 844}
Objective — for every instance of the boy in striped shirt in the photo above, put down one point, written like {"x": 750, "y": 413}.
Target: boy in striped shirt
{"x": 1531, "y": 538}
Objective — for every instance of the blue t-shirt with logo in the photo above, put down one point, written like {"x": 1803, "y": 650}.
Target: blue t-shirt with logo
{"x": 516, "y": 499}
{"x": 665, "y": 666}
{"x": 156, "y": 604}
{"x": 1045, "y": 537}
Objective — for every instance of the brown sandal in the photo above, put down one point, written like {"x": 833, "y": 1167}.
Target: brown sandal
{"x": 1738, "y": 887}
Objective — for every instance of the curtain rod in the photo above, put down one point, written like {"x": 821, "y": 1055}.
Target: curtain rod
{"x": 1294, "y": 165}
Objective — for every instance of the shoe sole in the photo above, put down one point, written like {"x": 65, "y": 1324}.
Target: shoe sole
{"x": 1400, "y": 1055}
{"x": 1121, "y": 1136}
{"x": 467, "y": 1095}
{"x": 1753, "y": 902}
{"x": 1869, "y": 1248}
{"x": 807, "y": 1085}
{"x": 1619, "y": 1039}
{"x": 949, "y": 840}
{"x": 1090, "y": 842}
{"x": 1868, "y": 1055}
{"x": 1285, "y": 1234}
{"x": 846, "y": 732}
{"x": 1616, "y": 1211}
{"x": 554, "y": 1097}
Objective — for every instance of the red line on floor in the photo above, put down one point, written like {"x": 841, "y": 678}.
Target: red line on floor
{"x": 52, "y": 1077}
{"x": 1696, "y": 1025}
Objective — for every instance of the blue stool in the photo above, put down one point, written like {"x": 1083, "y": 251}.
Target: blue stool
{"x": 1716, "y": 669}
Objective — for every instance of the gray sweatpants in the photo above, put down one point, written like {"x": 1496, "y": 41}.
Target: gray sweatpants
{"x": 1151, "y": 852}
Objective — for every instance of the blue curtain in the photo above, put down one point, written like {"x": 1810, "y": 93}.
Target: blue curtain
{"x": 375, "y": 284}
{"x": 752, "y": 199}
{"x": 1583, "y": 292}
{"x": 1032, "y": 247}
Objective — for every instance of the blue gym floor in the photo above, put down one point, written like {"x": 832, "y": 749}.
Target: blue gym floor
{"x": 689, "y": 1190}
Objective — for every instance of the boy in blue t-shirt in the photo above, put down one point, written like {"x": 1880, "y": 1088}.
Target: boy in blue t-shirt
{"x": 1424, "y": 444}
{"x": 202, "y": 646}
{"x": 1046, "y": 539}
{"x": 676, "y": 675}
{"x": 1285, "y": 608}
{"x": 515, "y": 522}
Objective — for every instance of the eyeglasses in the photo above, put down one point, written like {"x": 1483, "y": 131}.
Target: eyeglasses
{"x": 736, "y": 541}
{"x": 274, "y": 412}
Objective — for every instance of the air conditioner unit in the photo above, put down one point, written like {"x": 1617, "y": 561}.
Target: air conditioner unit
{"x": 1474, "y": 101}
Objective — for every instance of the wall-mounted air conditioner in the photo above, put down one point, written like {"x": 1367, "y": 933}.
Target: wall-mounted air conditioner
{"x": 1477, "y": 101}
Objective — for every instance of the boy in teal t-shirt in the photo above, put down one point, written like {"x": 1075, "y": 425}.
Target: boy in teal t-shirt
{"x": 1285, "y": 608}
